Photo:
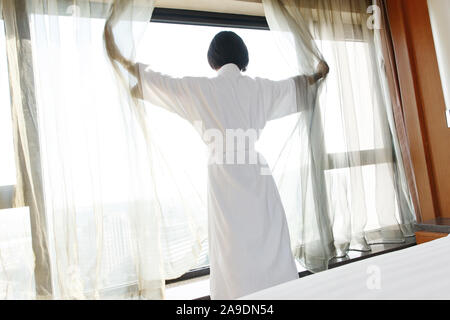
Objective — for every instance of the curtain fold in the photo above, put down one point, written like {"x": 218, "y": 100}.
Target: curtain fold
{"x": 113, "y": 219}
{"x": 350, "y": 180}
{"x": 29, "y": 188}
{"x": 385, "y": 42}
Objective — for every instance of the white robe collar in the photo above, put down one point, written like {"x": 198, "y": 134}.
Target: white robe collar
{"x": 229, "y": 69}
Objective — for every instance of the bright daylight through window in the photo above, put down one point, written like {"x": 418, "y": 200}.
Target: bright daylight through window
{"x": 178, "y": 50}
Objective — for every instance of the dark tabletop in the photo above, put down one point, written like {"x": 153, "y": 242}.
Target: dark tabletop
{"x": 435, "y": 225}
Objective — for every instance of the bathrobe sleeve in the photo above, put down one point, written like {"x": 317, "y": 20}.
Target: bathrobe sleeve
{"x": 285, "y": 97}
{"x": 177, "y": 95}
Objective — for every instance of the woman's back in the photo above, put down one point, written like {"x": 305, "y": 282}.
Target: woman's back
{"x": 228, "y": 101}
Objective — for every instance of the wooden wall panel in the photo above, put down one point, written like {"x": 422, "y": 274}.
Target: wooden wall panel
{"x": 424, "y": 236}
{"x": 423, "y": 103}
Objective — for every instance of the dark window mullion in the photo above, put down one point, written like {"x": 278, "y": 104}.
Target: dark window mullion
{"x": 211, "y": 19}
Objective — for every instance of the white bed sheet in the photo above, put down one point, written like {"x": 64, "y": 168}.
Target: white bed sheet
{"x": 418, "y": 272}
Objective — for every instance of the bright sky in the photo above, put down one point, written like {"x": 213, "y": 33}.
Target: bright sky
{"x": 180, "y": 50}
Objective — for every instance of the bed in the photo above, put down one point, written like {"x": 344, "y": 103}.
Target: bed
{"x": 418, "y": 272}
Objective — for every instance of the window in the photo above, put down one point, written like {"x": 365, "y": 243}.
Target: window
{"x": 371, "y": 146}
{"x": 180, "y": 50}
{"x": 174, "y": 49}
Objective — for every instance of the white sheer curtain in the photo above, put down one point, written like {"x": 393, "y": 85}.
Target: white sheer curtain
{"x": 340, "y": 172}
{"x": 116, "y": 219}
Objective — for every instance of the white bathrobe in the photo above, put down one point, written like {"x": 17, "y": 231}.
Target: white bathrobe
{"x": 249, "y": 245}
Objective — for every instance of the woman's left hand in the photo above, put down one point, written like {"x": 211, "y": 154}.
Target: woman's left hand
{"x": 323, "y": 69}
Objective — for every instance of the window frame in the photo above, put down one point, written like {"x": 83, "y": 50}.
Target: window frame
{"x": 210, "y": 19}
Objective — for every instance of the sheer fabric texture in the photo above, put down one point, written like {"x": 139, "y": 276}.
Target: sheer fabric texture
{"x": 342, "y": 156}
{"x": 115, "y": 218}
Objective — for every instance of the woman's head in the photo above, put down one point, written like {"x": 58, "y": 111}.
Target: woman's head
{"x": 227, "y": 47}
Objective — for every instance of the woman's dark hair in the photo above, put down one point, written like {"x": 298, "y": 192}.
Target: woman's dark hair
{"x": 227, "y": 47}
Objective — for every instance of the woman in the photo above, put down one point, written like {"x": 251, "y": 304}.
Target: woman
{"x": 249, "y": 245}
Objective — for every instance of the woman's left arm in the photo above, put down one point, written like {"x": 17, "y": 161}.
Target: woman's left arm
{"x": 285, "y": 97}
{"x": 322, "y": 71}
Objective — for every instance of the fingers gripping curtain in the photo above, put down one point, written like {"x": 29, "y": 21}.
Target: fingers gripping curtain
{"x": 343, "y": 156}
{"x": 115, "y": 219}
